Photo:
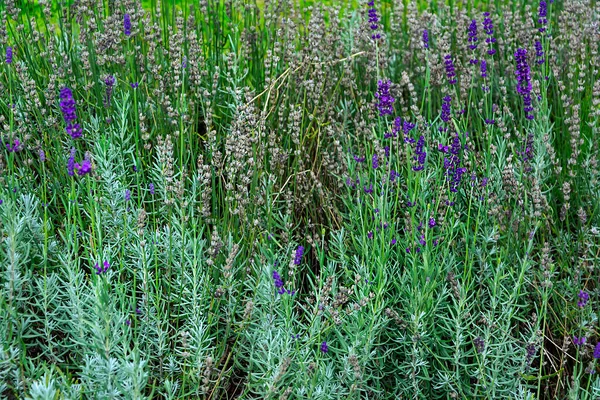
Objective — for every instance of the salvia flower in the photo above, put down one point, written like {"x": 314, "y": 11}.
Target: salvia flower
{"x": 373, "y": 20}
{"x": 450, "y": 72}
{"x": 298, "y": 255}
{"x": 488, "y": 28}
{"x": 583, "y": 298}
{"x": 420, "y": 154}
{"x": 324, "y": 347}
{"x": 539, "y": 52}
{"x": 9, "y": 55}
{"x": 425, "y": 39}
{"x": 524, "y": 81}
{"x": 127, "y": 24}
{"x": 385, "y": 103}
{"x": 542, "y": 14}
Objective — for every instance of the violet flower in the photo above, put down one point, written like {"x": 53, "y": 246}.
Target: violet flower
{"x": 127, "y": 24}
{"x": 542, "y": 14}
{"x": 425, "y": 39}
{"x": 9, "y": 55}
{"x": 450, "y": 72}
{"x": 488, "y": 28}
{"x": 298, "y": 255}
{"x": 373, "y": 20}
{"x": 524, "y": 81}
{"x": 385, "y": 103}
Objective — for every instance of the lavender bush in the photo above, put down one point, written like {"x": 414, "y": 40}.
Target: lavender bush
{"x": 299, "y": 199}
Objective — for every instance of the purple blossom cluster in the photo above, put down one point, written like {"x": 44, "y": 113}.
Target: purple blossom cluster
{"x": 16, "y": 146}
{"x": 100, "y": 269}
{"x": 298, "y": 255}
{"x": 446, "y": 105}
{"x": 373, "y": 20}
{"x": 450, "y": 71}
{"x": 452, "y": 163}
{"x": 385, "y": 103}
{"x": 583, "y": 298}
{"x": 539, "y": 52}
{"x": 472, "y": 34}
{"x": 420, "y": 154}
{"x": 425, "y": 39}
{"x": 579, "y": 341}
{"x": 375, "y": 161}
{"x": 67, "y": 107}
{"x": 279, "y": 285}
{"x": 127, "y": 25}
{"x": 324, "y": 347}
{"x": 488, "y": 28}
{"x": 524, "y": 81}
{"x": 82, "y": 169}
{"x": 109, "y": 81}
{"x": 9, "y": 55}
{"x": 542, "y": 14}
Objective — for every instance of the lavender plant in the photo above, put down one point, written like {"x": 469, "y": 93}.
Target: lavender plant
{"x": 299, "y": 199}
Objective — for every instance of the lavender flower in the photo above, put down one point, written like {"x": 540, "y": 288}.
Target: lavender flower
{"x": 385, "y": 103}
{"x": 151, "y": 188}
{"x": 324, "y": 347}
{"x": 524, "y": 81}
{"x": 370, "y": 234}
{"x": 479, "y": 344}
{"x": 488, "y": 28}
{"x": 542, "y": 13}
{"x": 134, "y": 85}
{"x": 579, "y": 341}
{"x": 375, "y": 161}
{"x": 16, "y": 146}
{"x": 9, "y": 55}
{"x": 298, "y": 256}
{"x": 450, "y": 72}
{"x": 420, "y": 155}
{"x": 102, "y": 269}
{"x": 127, "y": 194}
{"x": 597, "y": 351}
{"x": 425, "y": 39}
{"x": 109, "y": 82}
{"x": 431, "y": 222}
{"x": 42, "y": 155}
{"x": 127, "y": 24}
{"x": 67, "y": 107}
{"x": 446, "y": 109}
{"x": 483, "y": 68}
{"x": 373, "y": 19}
{"x": 84, "y": 168}
{"x": 472, "y": 33}
{"x": 278, "y": 282}
{"x": 583, "y": 298}
{"x": 539, "y": 52}
{"x": 71, "y": 163}
{"x": 452, "y": 165}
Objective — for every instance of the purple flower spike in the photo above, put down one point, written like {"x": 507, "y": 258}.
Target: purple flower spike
{"x": 583, "y": 298}
{"x": 324, "y": 347}
{"x": 420, "y": 155}
{"x": 373, "y": 20}
{"x": 127, "y": 24}
{"x": 450, "y": 72}
{"x": 597, "y": 351}
{"x": 542, "y": 13}
{"x": 9, "y": 55}
{"x": 524, "y": 81}
{"x": 579, "y": 341}
{"x": 299, "y": 254}
{"x": 425, "y": 39}
{"x": 385, "y": 103}
{"x": 539, "y": 52}
{"x": 488, "y": 28}
{"x": 84, "y": 168}
{"x": 278, "y": 282}
{"x": 151, "y": 188}
{"x": 446, "y": 109}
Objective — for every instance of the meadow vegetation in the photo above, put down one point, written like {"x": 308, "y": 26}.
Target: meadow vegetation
{"x": 298, "y": 199}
